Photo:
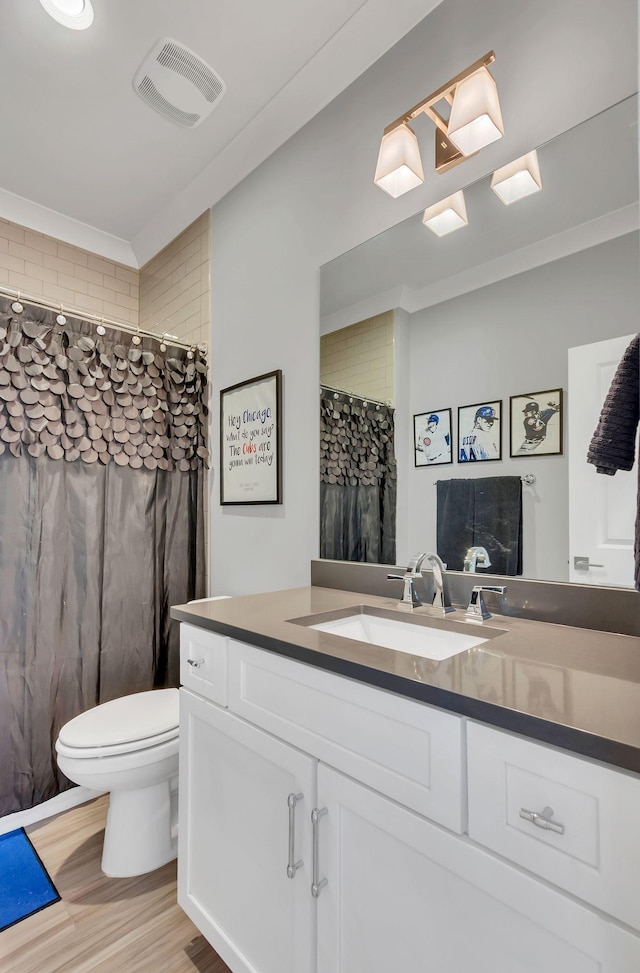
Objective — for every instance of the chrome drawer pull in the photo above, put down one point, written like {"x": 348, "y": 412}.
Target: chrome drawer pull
{"x": 542, "y": 819}
{"x": 196, "y": 663}
{"x": 293, "y": 865}
{"x": 316, "y": 885}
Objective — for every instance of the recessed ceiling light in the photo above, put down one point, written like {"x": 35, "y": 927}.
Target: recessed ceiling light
{"x": 76, "y": 14}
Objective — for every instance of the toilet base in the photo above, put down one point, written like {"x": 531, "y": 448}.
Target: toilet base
{"x": 140, "y": 833}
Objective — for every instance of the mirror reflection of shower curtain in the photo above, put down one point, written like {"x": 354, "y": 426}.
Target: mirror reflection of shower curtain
{"x": 357, "y": 479}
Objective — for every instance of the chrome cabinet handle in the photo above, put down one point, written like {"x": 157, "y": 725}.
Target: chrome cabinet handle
{"x": 292, "y": 864}
{"x": 316, "y": 884}
{"x": 543, "y": 819}
{"x": 196, "y": 663}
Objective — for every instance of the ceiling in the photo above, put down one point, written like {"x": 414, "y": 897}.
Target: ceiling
{"x": 86, "y": 160}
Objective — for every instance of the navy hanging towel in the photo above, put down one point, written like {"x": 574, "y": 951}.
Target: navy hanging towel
{"x": 481, "y": 512}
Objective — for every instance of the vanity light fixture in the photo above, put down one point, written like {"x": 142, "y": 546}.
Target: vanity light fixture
{"x": 75, "y": 14}
{"x": 399, "y": 166}
{"x": 518, "y": 179}
{"x": 447, "y": 215}
{"x": 475, "y": 121}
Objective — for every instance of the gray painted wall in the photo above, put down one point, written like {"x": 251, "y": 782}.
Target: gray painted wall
{"x": 504, "y": 340}
{"x": 315, "y": 198}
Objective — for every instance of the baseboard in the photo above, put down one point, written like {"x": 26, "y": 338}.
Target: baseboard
{"x": 33, "y": 815}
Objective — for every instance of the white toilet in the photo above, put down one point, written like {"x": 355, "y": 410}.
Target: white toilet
{"x": 129, "y": 747}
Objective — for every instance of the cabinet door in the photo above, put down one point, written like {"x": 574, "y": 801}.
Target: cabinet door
{"x": 403, "y": 894}
{"x": 234, "y": 841}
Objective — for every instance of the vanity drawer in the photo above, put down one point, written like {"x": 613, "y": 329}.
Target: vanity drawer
{"x": 204, "y": 662}
{"x": 405, "y": 749}
{"x": 591, "y": 847}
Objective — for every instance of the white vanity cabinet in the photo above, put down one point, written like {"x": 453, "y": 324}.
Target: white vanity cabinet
{"x": 235, "y": 782}
{"x": 404, "y": 895}
{"x": 399, "y": 884}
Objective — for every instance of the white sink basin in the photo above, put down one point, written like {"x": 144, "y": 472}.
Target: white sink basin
{"x": 417, "y": 637}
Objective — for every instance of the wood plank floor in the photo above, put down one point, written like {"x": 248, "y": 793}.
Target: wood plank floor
{"x": 111, "y": 925}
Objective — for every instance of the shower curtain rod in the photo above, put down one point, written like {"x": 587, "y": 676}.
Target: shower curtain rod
{"x": 354, "y": 395}
{"x": 97, "y": 319}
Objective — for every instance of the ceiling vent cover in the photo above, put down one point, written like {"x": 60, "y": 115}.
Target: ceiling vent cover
{"x": 178, "y": 84}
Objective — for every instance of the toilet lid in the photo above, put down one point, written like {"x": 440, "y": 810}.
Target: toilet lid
{"x": 128, "y": 720}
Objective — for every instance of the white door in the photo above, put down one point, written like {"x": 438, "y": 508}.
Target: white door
{"x": 602, "y": 509}
{"x": 403, "y": 894}
{"x": 234, "y": 841}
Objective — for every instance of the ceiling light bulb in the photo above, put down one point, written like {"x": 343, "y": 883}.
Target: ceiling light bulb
{"x": 75, "y": 14}
{"x": 447, "y": 215}
{"x": 399, "y": 167}
{"x": 518, "y": 179}
{"x": 476, "y": 119}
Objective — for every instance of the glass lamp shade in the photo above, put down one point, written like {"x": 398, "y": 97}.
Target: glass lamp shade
{"x": 518, "y": 179}
{"x": 447, "y": 215}
{"x": 399, "y": 167}
{"x": 75, "y": 14}
{"x": 476, "y": 119}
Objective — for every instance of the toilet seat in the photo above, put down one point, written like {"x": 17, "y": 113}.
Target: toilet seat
{"x": 125, "y": 725}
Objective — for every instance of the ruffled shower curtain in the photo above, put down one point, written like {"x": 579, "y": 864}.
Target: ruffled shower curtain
{"x": 102, "y": 458}
{"x": 357, "y": 479}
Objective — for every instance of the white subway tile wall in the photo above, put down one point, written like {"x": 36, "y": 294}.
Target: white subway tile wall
{"x": 360, "y": 358}
{"x": 175, "y": 298}
{"x": 56, "y": 273}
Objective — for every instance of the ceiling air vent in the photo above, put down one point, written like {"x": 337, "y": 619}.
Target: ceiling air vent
{"x": 178, "y": 84}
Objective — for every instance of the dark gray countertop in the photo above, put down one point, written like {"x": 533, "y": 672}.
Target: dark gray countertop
{"x": 570, "y": 687}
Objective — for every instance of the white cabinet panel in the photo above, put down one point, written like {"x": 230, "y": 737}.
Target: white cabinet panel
{"x": 234, "y": 841}
{"x": 403, "y": 748}
{"x": 402, "y": 894}
{"x": 597, "y": 855}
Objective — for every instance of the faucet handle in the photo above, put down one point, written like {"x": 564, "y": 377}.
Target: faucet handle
{"x": 410, "y": 599}
{"x": 476, "y": 609}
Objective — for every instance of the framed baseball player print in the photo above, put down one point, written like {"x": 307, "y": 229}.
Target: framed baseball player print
{"x": 432, "y": 444}
{"x": 480, "y": 432}
{"x": 536, "y": 423}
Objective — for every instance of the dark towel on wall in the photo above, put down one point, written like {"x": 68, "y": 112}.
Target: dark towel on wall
{"x": 482, "y": 512}
{"x": 613, "y": 444}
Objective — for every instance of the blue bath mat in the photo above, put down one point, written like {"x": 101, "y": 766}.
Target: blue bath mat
{"x": 25, "y": 887}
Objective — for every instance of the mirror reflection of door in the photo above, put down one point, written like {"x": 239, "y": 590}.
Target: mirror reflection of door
{"x": 603, "y": 508}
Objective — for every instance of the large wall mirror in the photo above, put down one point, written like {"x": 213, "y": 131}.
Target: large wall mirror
{"x": 519, "y": 301}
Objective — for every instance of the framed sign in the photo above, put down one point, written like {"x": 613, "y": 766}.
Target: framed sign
{"x": 432, "y": 438}
{"x": 251, "y": 441}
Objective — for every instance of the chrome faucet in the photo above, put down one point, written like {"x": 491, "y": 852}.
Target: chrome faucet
{"x": 441, "y": 603}
{"x": 476, "y": 609}
{"x": 410, "y": 599}
{"x": 476, "y": 557}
